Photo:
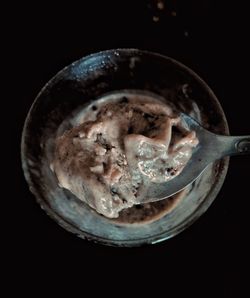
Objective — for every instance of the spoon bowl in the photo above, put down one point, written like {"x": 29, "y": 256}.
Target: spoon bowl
{"x": 210, "y": 148}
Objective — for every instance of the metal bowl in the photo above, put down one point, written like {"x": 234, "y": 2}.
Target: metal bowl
{"x": 88, "y": 79}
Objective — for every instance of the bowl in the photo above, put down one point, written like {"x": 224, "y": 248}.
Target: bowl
{"x": 98, "y": 75}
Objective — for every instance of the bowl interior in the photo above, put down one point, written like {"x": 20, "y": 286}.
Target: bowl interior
{"x": 88, "y": 79}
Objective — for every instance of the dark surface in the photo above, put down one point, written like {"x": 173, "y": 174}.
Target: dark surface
{"x": 209, "y": 256}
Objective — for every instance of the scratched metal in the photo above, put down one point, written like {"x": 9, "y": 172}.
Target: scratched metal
{"x": 92, "y": 77}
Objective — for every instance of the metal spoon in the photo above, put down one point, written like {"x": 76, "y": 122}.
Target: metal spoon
{"x": 210, "y": 148}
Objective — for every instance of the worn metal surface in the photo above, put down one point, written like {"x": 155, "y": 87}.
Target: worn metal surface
{"x": 88, "y": 79}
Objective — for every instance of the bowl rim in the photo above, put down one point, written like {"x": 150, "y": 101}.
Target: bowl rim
{"x": 139, "y": 241}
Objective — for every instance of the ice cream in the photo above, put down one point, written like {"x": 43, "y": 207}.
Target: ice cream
{"x": 110, "y": 158}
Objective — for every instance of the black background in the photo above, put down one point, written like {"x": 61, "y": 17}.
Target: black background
{"x": 211, "y": 37}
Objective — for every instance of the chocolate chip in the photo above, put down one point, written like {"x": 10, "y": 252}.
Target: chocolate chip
{"x": 139, "y": 207}
{"x": 105, "y": 167}
{"x": 148, "y": 117}
{"x": 130, "y": 130}
{"x": 124, "y": 99}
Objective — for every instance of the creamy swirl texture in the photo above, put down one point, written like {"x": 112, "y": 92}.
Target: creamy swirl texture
{"x": 118, "y": 148}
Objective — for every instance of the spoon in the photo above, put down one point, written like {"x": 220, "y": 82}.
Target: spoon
{"x": 210, "y": 148}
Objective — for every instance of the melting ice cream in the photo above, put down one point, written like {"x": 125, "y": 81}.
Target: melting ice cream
{"x": 119, "y": 147}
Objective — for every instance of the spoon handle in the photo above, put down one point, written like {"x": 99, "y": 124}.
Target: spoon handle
{"x": 237, "y": 145}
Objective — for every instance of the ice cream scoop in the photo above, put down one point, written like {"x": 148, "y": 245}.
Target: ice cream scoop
{"x": 210, "y": 148}
{"x": 108, "y": 162}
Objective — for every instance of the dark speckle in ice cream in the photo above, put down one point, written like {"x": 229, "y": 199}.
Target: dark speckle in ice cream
{"x": 130, "y": 130}
{"x": 124, "y": 99}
